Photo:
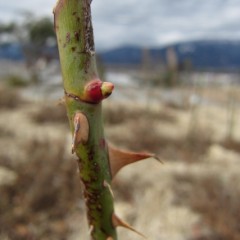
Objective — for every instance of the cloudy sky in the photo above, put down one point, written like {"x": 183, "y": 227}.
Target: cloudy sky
{"x": 147, "y": 22}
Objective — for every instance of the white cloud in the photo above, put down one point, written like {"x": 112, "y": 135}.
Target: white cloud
{"x": 147, "y": 23}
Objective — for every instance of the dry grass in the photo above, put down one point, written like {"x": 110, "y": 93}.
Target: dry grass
{"x": 50, "y": 114}
{"x": 46, "y": 191}
{"x": 189, "y": 149}
{"x": 231, "y": 145}
{"x": 17, "y": 81}
{"x": 120, "y": 114}
{"x": 216, "y": 202}
{"x": 5, "y": 132}
{"x": 10, "y": 98}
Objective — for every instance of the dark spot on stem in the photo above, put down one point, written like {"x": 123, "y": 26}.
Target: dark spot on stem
{"x": 99, "y": 207}
{"x": 68, "y": 37}
{"x": 76, "y": 34}
{"x": 91, "y": 155}
{"x": 90, "y": 218}
{"x": 92, "y": 200}
{"x": 102, "y": 143}
{"x": 98, "y": 196}
{"x": 96, "y": 167}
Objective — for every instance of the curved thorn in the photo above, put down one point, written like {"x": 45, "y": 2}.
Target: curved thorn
{"x": 158, "y": 159}
{"x": 91, "y": 228}
{"x": 119, "y": 158}
{"x": 117, "y": 222}
{"x": 81, "y": 130}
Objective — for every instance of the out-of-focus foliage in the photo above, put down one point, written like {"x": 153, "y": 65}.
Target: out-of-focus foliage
{"x": 7, "y": 28}
{"x": 34, "y": 30}
{"x": 40, "y": 31}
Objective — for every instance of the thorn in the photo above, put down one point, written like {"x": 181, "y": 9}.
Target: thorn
{"x": 91, "y": 228}
{"x": 119, "y": 158}
{"x": 158, "y": 159}
{"x": 54, "y": 8}
{"x": 117, "y": 222}
{"x": 107, "y": 185}
{"x": 109, "y": 238}
{"x": 81, "y": 130}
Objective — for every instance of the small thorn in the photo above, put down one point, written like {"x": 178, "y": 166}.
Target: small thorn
{"x": 107, "y": 185}
{"x": 119, "y": 158}
{"x": 158, "y": 159}
{"x": 81, "y": 130}
{"x": 109, "y": 238}
{"x": 117, "y": 222}
{"x": 54, "y": 8}
{"x": 91, "y": 228}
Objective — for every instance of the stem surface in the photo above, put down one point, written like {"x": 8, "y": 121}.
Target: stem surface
{"x": 83, "y": 95}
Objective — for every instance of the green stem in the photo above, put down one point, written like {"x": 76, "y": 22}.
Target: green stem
{"x": 74, "y": 32}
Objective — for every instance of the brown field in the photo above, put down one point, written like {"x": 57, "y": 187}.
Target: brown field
{"x": 194, "y": 195}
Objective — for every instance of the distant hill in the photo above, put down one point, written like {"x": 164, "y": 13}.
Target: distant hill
{"x": 14, "y": 51}
{"x": 203, "y": 55}
{"x": 11, "y": 51}
{"x": 214, "y": 55}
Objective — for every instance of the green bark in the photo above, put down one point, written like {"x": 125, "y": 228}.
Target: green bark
{"x": 74, "y": 32}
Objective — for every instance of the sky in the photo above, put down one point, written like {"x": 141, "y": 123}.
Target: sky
{"x": 147, "y": 23}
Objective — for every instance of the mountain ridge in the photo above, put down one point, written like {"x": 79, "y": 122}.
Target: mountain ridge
{"x": 216, "y": 55}
{"x": 203, "y": 54}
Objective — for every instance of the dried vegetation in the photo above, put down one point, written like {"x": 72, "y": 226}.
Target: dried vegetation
{"x": 45, "y": 193}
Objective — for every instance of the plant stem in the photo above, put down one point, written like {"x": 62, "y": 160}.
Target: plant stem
{"x": 84, "y": 91}
{"x": 74, "y": 32}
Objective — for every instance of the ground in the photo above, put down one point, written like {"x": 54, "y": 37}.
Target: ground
{"x": 194, "y": 195}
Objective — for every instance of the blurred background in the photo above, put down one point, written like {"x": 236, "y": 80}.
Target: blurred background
{"x": 176, "y": 70}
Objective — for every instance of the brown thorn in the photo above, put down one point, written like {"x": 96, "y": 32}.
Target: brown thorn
{"x": 117, "y": 222}
{"x": 119, "y": 158}
{"x": 91, "y": 228}
{"x": 81, "y": 130}
{"x": 54, "y": 8}
{"x": 158, "y": 159}
{"x": 109, "y": 238}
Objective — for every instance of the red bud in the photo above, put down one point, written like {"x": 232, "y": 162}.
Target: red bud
{"x": 96, "y": 90}
{"x": 93, "y": 91}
